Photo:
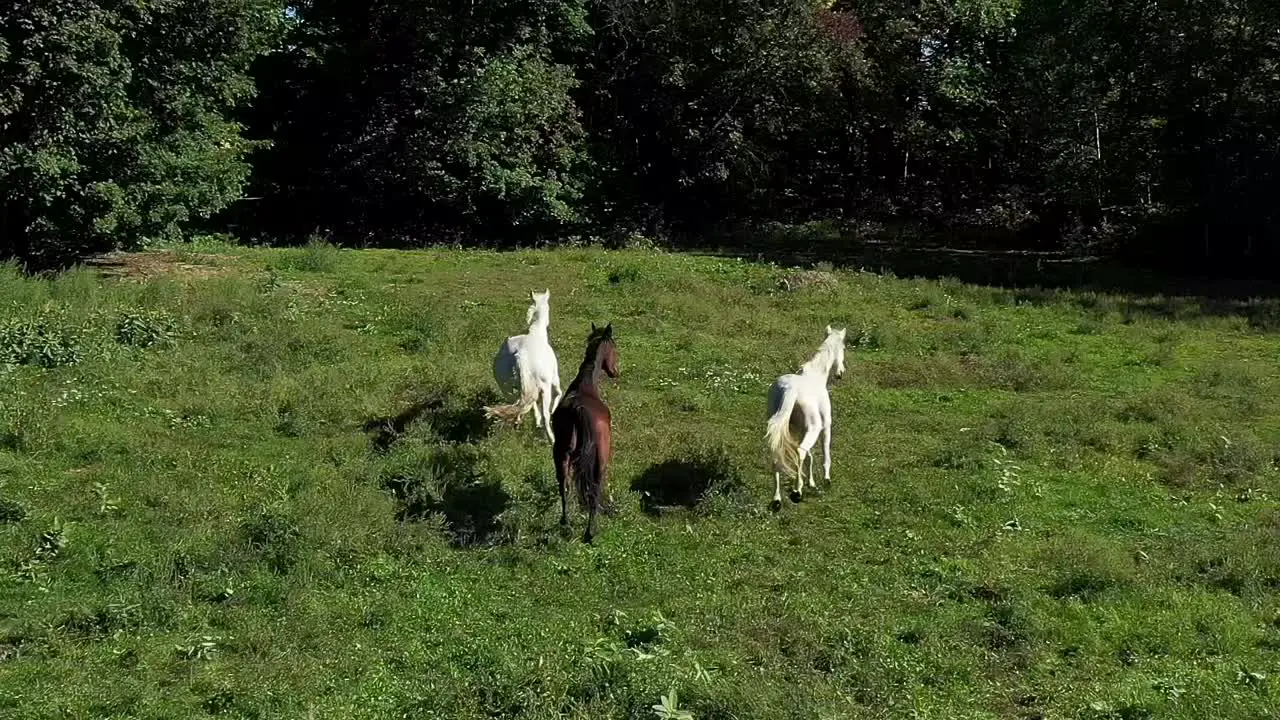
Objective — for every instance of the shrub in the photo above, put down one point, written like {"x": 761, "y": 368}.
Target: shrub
{"x": 42, "y": 341}
{"x": 146, "y": 328}
{"x": 274, "y": 537}
{"x": 454, "y": 487}
{"x": 116, "y": 118}
{"x": 11, "y": 511}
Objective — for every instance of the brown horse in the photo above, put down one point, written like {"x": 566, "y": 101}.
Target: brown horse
{"x": 583, "y": 429}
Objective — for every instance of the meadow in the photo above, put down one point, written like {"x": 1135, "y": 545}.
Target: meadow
{"x": 256, "y": 483}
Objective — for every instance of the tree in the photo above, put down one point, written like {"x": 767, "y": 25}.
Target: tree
{"x": 1163, "y": 127}
{"x": 406, "y": 121}
{"x": 702, "y": 112}
{"x": 114, "y": 119}
{"x": 1033, "y": 121}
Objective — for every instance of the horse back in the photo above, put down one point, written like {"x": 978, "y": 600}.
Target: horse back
{"x": 589, "y": 406}
{"x": 586, "y": 403}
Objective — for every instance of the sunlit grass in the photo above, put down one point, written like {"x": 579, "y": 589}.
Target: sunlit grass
{"x": 269, "y": 492}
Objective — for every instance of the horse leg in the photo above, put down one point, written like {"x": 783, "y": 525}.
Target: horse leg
{"x": 806, "y": 445}
{"x": 777, "y": 488}
{"x": 562, "y": 478}
{"x": 826, "y": 448}
{"x": 606, "y": 489}
{"x": 555, "y": 394}
{"x": 593, "y": 501}
{"x": 591, "y": 523}
{"x": 795, "y": 494}
{"x": 544, "y": 396}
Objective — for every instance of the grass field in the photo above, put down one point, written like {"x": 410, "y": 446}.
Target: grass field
{"x": 255, "y": 483}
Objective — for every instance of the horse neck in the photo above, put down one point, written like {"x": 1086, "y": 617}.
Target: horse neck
{"x": 541, "y": 321}
{"x": 819, "y": 366}
{"x": 538, "y": 330}
{"x": 588, "y": 373}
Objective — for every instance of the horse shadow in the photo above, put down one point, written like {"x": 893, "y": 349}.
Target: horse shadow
{"x": 454, "y": 417}
{"x": 687, "y": 482}
{"x": 544, "y": 492}
{"x": 543, "y": 503}
{"x": 472, "y": 506}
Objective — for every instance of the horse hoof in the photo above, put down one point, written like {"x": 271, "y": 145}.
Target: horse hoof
{"x": 795, "y": 496}
{"x": 775, "y": 506}
{"x": 587, "y": 538}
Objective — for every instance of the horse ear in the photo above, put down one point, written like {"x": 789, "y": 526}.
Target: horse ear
{"x": 593, "y": 327}
{"x": 533, "y": 295}
{"x": 828, "y": 329}
{"x": 608, "y": 330}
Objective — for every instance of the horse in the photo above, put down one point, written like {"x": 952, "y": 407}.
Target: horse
{"x": 583, "y": 430}
{"x": 799, "y": 403}
{"x": 528, "y": 364}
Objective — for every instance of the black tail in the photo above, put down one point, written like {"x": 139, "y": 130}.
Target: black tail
{"x": 586, "y": 475}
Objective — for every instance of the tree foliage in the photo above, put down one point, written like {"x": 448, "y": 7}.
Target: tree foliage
{"x": 1111, "y": 125}
{"x": 114, "y": 121}
{"x": 706, "y": 110}
{"x": 435, "y": 121}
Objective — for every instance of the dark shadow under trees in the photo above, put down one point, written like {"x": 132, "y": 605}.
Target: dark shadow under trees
{"x": 1029, "y": 276}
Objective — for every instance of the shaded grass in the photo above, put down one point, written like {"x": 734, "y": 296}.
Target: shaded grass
{"x": 702, "y": 479}
{"x": 270, "y": 492}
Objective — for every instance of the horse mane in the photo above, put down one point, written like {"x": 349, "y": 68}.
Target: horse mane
{"x": 538, "y": 314}
{"x": 594, "y": 341}
{"x": 586, "y": 371}
{"x": 823, "y": 359}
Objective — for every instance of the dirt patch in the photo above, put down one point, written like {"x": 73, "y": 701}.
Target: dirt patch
{"x": 148, "y": 265}
{"x": 808, "y": 279}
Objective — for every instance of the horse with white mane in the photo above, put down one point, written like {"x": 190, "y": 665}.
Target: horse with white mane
{"x": 528, "y": 364}
{"x": 799, "y": 404}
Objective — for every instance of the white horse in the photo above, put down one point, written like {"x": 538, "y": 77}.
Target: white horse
{"x": 799, "y": 404}
{"x": 528, "y": 364}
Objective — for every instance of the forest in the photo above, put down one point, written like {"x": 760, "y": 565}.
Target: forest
{"x": 256, "y": 258}
{"x": 1134, "y": 129}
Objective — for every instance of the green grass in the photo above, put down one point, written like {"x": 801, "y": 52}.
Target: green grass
{"x": 265, "y": 491}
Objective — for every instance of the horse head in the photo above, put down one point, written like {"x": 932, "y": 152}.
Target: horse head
{"x": 835, "y": 339}
{"x": 606, "y": 350}
{"x": 541, "y": 306}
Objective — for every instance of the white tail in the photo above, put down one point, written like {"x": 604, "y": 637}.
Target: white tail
{"x": 528, "y": 396}
{"x": 782, "y": 446}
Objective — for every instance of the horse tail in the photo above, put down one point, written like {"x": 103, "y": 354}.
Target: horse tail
{"x": 586, "y": 465}
{"x": 783, "y": 448}
{"x": 528, "y": 396}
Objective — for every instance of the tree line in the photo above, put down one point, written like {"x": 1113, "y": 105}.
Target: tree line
{"x": 1128, "y": 126}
